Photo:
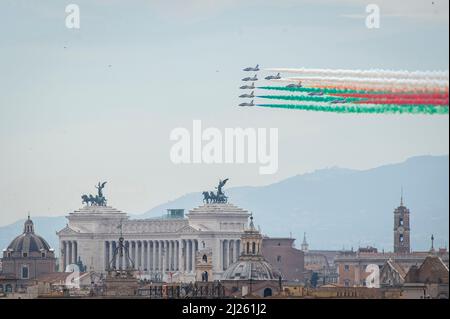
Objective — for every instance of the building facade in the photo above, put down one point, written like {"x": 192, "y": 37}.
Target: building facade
{"x": 27, "y": 257}
{"x": 284, "y": 257}
{"x": 355, "y": 266}
{"x": 164, "y": 248}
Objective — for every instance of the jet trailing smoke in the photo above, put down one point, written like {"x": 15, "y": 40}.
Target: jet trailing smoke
{"x": 375, "y": 73}
{"x": 377, "y": 83}
{"x": 380, "y": 109}
{"x": 360, "y": 91}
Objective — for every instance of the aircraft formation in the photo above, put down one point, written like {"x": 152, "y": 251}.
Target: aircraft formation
{"x": 277, "y": 76}
{"x": 252, "y": 86}
{"x": 351, "y": 91}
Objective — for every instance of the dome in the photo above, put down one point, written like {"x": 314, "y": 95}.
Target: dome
{"x": 251, "y": 264}
{"x": 250, "y": 269}
{"x": 28, "y": 242}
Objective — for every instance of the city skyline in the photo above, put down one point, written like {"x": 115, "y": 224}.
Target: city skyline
{"x": 101, "y": 101}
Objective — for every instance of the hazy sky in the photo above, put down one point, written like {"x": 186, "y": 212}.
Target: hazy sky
{"x": 69, "y": 120}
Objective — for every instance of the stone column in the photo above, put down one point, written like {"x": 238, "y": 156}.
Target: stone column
{"x": 230, "y": 252}
{"x": 174, "y": 250}
{"x": 105, "y": 254}
{"x": 70, "y": 252}
{"x": 127, "y": 261}
{"x": 133, "y": 252}
{"x": 162, "y": 253}
{"x": 177, "y": 244}
{"x": 149, "y": 256}
{"x": 154, "y": 255}
{"x": 220, "y": 255}
{"x": 144, "y": 255}
{"x": 188, "y": 255}
{"x": 168, "y": 251}
{"x": 140, "y": 249}
{"x": 111, "y": 253}
{"x": 169, "y": 255}
{"x": 183, "y": 255}
{"x": 75, "y": 252}
{"x": 193, "y": 255}
{"x": 174, "y": 255}
{"x": 63, "y": 256}
{"x": 238, "y": 246}
{"x": 158, "y": 248}
{"x": 225, "y": 254}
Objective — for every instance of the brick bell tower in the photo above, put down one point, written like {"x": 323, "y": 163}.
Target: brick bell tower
{"x": 401, "y": 229}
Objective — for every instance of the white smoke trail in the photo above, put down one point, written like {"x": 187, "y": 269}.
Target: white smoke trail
{"x": 374, "y": 73}
{"x": 374, "y": 83}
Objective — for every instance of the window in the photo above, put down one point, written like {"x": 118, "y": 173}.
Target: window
{"x": 346, "y": 267}
{"x": 25, "y": 272}
{"x": 8, "y": 254}
{"x": 401, "y": 221}
{"x": 25, "y": 254}
{"x": 401, "y": 238}
{"x": 278, "y": 258}
{"x": 253, "y": 248}
{"x": 267, "y": 292}
{"x": 347, "y": 283}
{"x": 43, "y": 255}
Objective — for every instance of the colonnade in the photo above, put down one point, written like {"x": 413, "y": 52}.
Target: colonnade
{"x": 153, "y": 255}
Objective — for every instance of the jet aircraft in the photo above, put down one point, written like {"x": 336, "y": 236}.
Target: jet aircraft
{"x": 247, "y": 104}
{"x": 256, "y": 68}
{"x": 273, "y": 77}
{"x": 246, "y": 79}
{"x": 251, "y": 95}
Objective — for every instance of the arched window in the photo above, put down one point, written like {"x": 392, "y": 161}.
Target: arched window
{"x": 248, "y": 248}
{"x": 253, "y": 248}
{"x": 205, "y": 258}
{"x": 8, "y": 288}
{"x": 267, "y": 292}
{"x": 1, "y": 288}
{"x": 401, "y": 238}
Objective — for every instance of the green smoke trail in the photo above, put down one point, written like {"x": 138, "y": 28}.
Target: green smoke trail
{"x": 305, "y": 98}
{"x": 380, "y": 109}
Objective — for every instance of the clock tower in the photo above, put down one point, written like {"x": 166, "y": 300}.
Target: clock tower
{"x": 401, "y": 229}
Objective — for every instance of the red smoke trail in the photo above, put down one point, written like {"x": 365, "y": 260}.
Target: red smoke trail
{"x": 394, "y": 95}
{"x": 401, "y": 101}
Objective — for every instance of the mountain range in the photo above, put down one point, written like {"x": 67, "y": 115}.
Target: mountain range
{"x": 337, "y": 208}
